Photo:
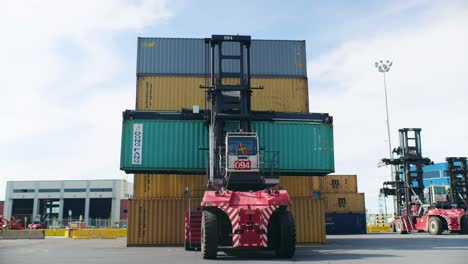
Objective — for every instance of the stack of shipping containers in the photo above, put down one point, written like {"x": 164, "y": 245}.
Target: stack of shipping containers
{"x": 344, "y": 206}
{"x": 170, "y": 72}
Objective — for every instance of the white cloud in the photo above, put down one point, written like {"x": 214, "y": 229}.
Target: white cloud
{"x": 426, "y": 85}
{"x": 61, "y": 103}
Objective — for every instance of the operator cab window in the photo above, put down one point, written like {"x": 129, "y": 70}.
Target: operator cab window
{"x": 242, "y": 146}
{"x": 439, "y": 190}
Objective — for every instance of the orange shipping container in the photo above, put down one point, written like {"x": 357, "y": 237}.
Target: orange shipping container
{"x": 153, "y": 222}
{"x": 301, "y": 186}
{"x": 344, "y": 202}
{"x": 172, "y": 185}
{"x": 309, "y": 215}
{"x": 157, "y": 221}
{"x": 177, "y": 92}
{"x": 339, "y": 184}
{"x": 167, "y": 185}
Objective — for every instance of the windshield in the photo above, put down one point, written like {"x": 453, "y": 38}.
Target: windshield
{"x": 439, "y": 190}
{"x": 242, "y": 146}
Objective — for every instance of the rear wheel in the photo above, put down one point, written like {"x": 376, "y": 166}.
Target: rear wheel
{"x": 399, "y": 227}
{"x": 435, "y": 226}
{"x": 464, "y": 225}
{"x": 286, "y": 246}
{"x": 209, "y": 236}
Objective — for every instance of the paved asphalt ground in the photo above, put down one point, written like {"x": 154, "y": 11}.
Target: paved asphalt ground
{"x": 370, "y": 248}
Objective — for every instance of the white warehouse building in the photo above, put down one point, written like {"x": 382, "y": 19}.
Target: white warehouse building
{"x": 62, "y": 201}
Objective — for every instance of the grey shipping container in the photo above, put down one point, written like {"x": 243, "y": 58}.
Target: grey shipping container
{"x": 184, "y": 56}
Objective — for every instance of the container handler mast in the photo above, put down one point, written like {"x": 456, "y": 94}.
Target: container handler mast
{"x": 414, "y": 211}
{"x": 239, "y": 209}
{"x": 458, "y": 175}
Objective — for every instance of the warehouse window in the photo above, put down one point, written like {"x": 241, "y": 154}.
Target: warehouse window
{"x": 341, "y": 202}
{"x": 335, "y": 184}
{"x": 23, "y": 190}
{"x": 75, "y": 190}
{"x": 101, "y": 189}
{"x": 48, "y": 190}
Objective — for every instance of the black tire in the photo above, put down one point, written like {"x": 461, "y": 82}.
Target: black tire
{"x": 435, "y": 225}
{"x": 399, "y": 227}
{"x": 209, "y": 236}
{"x": 464, "y": 225}
{"x": 286, "y": 246}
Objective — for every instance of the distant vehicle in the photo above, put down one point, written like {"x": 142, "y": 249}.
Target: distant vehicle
{"x": 13, "y": 223}
{"x": 431, "y": 209}
{"x": 40, "y": 224}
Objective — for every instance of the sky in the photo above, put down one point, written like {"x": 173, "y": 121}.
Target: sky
{"x": 67, "y": 71}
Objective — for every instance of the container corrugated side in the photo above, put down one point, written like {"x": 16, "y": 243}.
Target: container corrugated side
{"x": 309, "y": 216}
{"x": 345, "y": 224}
{"x": 177, "y": 92}
{"x": 167, "y": 146}
{"x": 301, "y": 186}
{"x": 172, "y": 185}
{"x": 167, "y": 185}
{"x": 303, "y": 147}
{"x": 340, "y": 184}
{"x": 185, "y": 56}
{"x": 344, "y": 202}
{"x": 172, "y": 146}
{"x": 154, "y": 222}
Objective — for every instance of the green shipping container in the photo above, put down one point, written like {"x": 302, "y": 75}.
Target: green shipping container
{"x": 173, "y": 146}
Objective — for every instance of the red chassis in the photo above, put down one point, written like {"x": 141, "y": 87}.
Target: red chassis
{"x": 244, "y": 217}
{"x": 434, "y": 222}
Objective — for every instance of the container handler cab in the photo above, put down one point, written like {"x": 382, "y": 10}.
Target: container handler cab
{"x": 419, "y": 212}
{"x": 239, "y": 209}
{"x": 437, "y": 195}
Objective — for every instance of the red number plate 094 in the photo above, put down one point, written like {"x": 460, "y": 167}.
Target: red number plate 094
{"x": 242, "y": 164}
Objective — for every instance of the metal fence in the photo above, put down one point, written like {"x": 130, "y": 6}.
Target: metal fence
{"x": 106, "y": 223}
{"x": 90, "y": 223}
{"x": 379, "y": 219}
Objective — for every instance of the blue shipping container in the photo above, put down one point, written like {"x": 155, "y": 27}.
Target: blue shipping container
{"x": 435, "y": 174}
{"x": 186, "y": 56}
{"x": 344, "y": 224}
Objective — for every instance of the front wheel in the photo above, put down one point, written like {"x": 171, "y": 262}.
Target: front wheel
{"x": 464, "y": 225}
{"x": 435, "y": 226}
{"x": 399, "y": 227}
{"x": 209, "y": 236}
{"x": 286, "y": 246}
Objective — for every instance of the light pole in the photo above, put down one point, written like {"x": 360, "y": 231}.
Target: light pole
{"x": 384, "y": 67}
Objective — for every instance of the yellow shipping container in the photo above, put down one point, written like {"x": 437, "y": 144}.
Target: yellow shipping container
{"x": 172, "y": 185}
{"x": 157, "y": 221}
{"x": 301, "y": 186}
{"x": 177, "y": 92}
{"x": 309, "y": 215}
{"x": 344, "y": 202}
{"x": 167, "y": 185}
{"x": 339, "y": 184}
{"x": 161, "y": 221}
